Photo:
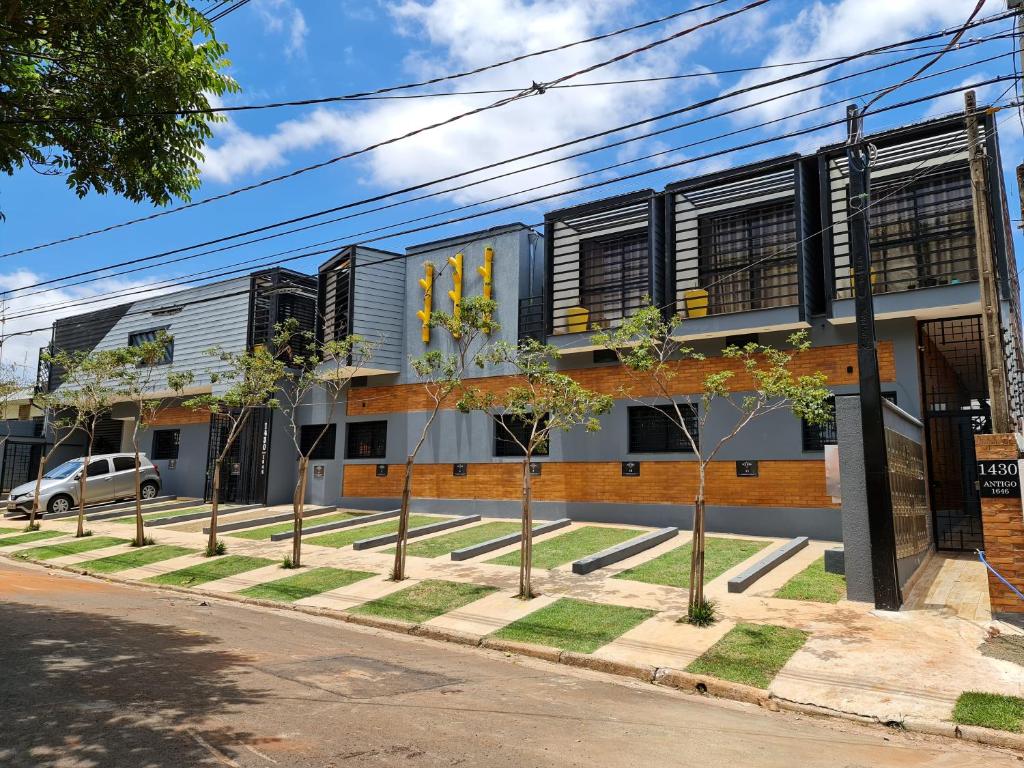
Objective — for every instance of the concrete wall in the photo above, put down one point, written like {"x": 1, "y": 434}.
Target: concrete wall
{"x": 188, "y": 478}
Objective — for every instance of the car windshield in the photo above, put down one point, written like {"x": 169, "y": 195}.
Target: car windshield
{"x": 67, "y": 469}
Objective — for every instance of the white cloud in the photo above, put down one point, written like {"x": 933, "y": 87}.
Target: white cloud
{"x": 283, "y": 17}
{"x": 954, "y": 102}
{"x": 458, "y": 35}
{"x": 23, "y": 349}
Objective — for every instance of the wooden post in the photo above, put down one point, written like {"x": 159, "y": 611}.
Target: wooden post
{"x": 995, "y": 363}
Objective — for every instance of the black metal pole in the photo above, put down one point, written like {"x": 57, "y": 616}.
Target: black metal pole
{"x": 876, "y": 465}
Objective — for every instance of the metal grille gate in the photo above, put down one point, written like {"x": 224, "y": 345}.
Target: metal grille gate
{"x": 20, "y": 464}
{"x": 956, "y": 408}
{"x": 244, "y": 472}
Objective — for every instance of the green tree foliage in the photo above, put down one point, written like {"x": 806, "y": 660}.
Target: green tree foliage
{"x": 650, "y": 353}
{"x": 90, "y": 88}
{"x": 545, "y": 402}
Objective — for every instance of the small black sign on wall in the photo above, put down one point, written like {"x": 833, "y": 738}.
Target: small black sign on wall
{"x": 999, "y": 479}
{"x": 631, "y": 469}
{"x": 382, "y": 470}
{"x": 460, "y": 470}
{"x": 535, "y": 467}
{"x": 746, "y": 468}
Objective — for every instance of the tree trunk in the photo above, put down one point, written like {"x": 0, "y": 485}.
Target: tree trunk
{"x": 211, "y": 544}
{"x": 82, "y": 476}
{"x": 140, "y": 535}
{"x": 398, "y": 569}
{"x": 526, "y": 548}
{"x": 35, "y": 498}
{"x": 298, "y": 509}
{"x": 697, "y": 558}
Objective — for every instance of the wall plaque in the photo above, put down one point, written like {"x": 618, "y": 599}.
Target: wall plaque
{"x": 382, "y": 470}
{"x": 535, "y": 467}
{"x": 460, "y": 470}
{"x": 631, "y": 469}
{"x": 318, "y": 470}
{"x": 746, "y": 468}
{"x": 999, "y": 479}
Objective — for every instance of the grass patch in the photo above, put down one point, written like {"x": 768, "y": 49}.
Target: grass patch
{"x": 467, "y": 537}
{"x": 25, "y": 538}
{"x": 574, "y": 625}
{"x": 134, "y": 559}
{"x": 266, "y": 531}
{"x": 571, "y": 546}
{"x": 307, "y": 584}
{"x": 750, "y": 653}
{"x": 815, "y": 584}
{"x": 990, "y": 710}
{"x": 672, "y": 569}
{"x": 9, "y": 530}
{"x": 346, "y": 536}
{"x": 51, "y": 551}
{"x": 424, "y": 601}
{"x": 220, "y": 568}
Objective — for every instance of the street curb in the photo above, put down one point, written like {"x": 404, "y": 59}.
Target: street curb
{"x": 668, "y": 677}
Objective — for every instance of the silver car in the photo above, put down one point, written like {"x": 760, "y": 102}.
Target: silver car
{"x": 110, "y": 476}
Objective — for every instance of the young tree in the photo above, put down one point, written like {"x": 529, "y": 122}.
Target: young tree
{"x": 94, "y": 89}
{"x": 545, "y": 402}
{"x": 250, "y": 381}
{"x": 653, "y": 358}
{"x": 134, "y": 373}
{"x": 325, "y": 368}
{"x": 441, "y": 374}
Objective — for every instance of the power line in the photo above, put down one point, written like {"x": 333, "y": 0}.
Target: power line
{"x": 760, "y": 142}
{"x": 494, "y": 199}
{"x": 217, "y": 16}
{"x": 422, "y": 185}
{"x": 535, "y": 89}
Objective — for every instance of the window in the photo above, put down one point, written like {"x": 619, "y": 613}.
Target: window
{"x": 922, "y": 232}
{"x": 124, "y": 463}
{"x": 142, "y": 337}
{"x": 504, "y": 445}
{"x": 324, "y": 450}
{"x": 367, "y": 440}
{"x": 655, "y": 429}
{"x": 747, "y": 258}
{"x": 614, "y": 275}
{"x": 98, "y": 467}
{"x": 165, "y": 444}
{"x": 814, "y": 437}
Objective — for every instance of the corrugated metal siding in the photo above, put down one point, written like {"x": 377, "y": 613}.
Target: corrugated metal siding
{"x": 83, "y": 333}
{"x": 378, "y": 311}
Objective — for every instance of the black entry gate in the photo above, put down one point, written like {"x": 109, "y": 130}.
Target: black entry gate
{"x": 956, "y": 407}
{"x": 20, "y": 464}
{"x": 244, "y": 472}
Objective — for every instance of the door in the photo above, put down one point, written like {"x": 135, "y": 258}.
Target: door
{"x": 246, "y": 467}
{"x": 124, "y": 477}
{"x": 20, "y": 464}
{"x": 99, "y": 482}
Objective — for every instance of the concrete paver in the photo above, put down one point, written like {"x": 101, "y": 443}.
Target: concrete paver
{"x": 355, "y": 594}
{"x": 489, "y": 614}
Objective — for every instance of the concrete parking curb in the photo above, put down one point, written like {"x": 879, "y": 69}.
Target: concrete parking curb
{"x": 661, "y": 676}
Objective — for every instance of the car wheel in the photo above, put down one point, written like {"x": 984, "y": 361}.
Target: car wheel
{"x": 59, "y": 505}
{"x": 149, "y": 490}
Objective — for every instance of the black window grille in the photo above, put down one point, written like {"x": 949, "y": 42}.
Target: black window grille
{"x": 655, "y": 429}
{"x": 814, "y": 437}
{"x": 165, "y": 444}
{"x": 922, "y": 233}
{"x": 335, "y": 297}
{"x": 139, "y": 338}
{"x": 747, "y": 259}
{"x": 505, "y": 445}
{"x": 614, "y": 275}
{"x": 367, "y": 440}
{"x": 324, "y": 450}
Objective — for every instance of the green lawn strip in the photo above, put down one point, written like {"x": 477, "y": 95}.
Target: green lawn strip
{"x": 134, "y": 559}
{"x": 750, "y": 653}
{"x": 268, "y": 530}
{"x": 25, "y": 538}
{"x": 346, "y": 536}
{"x": 74, "y": 547}
{"x": 216, "y": 568}
{"x": 467, "y": 537}
{"x": 424, "y": 601}
{"x": 990, "y": 710}
{"x": 307, "y": 584}
{"x": 575, "y": 625}
{"x": 163, "y": 514}
{"x": 9, "y": 530}
{"x": 673, "y": 568}
{"x": 571, "y": 546}
{"x": 815, "y": 584}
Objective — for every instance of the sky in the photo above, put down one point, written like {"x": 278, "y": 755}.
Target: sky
{"x": 298, "y": 49}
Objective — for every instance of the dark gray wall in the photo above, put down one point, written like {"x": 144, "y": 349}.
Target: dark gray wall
{"x": 188, "y": 478}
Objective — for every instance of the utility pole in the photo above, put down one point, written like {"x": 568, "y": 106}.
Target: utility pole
{"x": 888, "y": 596}
{"x": 992, "y": 332}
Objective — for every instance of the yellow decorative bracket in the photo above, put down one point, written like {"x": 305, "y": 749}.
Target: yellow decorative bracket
{"x": 456, "y": 293}
{"x": 487, "y": 273}
{"x": 427, "y": 284}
